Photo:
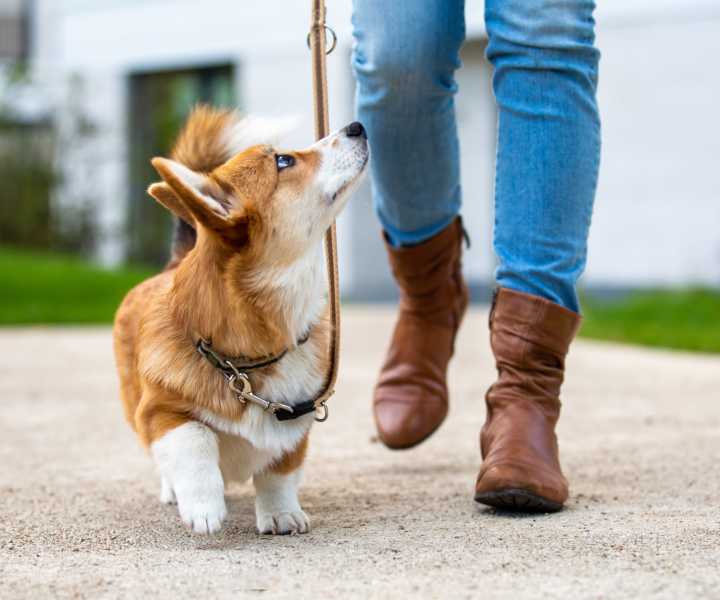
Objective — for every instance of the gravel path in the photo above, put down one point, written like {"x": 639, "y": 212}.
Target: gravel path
{"x": 640, "y": 438}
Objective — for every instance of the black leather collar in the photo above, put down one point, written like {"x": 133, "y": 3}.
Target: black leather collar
{"x": 235, "y": 369}
{"x": 241, "y": 363}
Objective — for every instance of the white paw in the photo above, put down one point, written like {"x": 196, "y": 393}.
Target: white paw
{"x": 187, "y": 458}
{"x": 202, "y": 512}
{"x": 283, "y": 523}
{"x": 167, "y": 496}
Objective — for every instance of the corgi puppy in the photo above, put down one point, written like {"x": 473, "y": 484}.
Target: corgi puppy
{"x": 220, "y": 355}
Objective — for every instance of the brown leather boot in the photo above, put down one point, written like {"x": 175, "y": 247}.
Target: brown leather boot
{"x": 530, "y": 337}
{"x": 411, "y": 398}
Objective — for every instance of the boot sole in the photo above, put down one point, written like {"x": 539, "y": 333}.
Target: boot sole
{"x": 518, "y": 500}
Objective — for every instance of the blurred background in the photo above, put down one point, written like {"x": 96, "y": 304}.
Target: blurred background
{"x": 91, "y": 89}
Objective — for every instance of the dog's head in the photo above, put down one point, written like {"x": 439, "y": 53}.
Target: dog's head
{"x": 277, "y": 203}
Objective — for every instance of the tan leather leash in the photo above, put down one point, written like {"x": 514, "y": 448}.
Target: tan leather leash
{"x": 235, "y": 370}
{"x": 316, "y": 40}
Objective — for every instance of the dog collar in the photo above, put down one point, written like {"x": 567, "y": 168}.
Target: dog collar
{"x": 242, "y": 363}
{"x": 234, "y": 370}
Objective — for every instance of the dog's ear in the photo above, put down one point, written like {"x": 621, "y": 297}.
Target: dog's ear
{"x": 200, "y": 196}
{"x": 165, "y": 195}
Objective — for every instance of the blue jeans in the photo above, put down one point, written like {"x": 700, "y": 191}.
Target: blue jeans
{"x": 545, "y": 77}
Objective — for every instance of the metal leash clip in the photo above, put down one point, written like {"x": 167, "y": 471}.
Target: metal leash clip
{"x": 245, "y": 394}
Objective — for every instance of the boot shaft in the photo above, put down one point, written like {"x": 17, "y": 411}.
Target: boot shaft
{"x": 411, "y": 396}
{"x": 429, "y": 275}
{"x": 530, "y": 337}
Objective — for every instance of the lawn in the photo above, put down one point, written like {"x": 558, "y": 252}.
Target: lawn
{"x": 683, "y": 319}
{"x": 40, "y": 288}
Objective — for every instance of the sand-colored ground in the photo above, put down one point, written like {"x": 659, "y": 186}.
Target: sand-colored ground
{"x": 640, "y": 439}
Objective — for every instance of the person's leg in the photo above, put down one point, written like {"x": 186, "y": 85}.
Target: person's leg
{"x": 548, "y": 154}
{"x": 545, "y": 78}
{"x": 405, "y": 56}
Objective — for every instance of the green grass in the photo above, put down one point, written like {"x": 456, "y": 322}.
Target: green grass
{"x": 682, "y": 319}
{"x": 41, "y": 288}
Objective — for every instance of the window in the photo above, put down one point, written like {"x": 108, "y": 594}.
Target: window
{"x": 14, "y": 29}
{"x": 159, "y": 105}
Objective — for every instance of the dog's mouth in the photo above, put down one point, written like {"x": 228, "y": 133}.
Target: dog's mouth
{"x": 347, "y": 186}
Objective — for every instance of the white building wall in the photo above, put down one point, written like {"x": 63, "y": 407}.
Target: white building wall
{"x": 657, "y": 211}
{"x": 657, "y": 217}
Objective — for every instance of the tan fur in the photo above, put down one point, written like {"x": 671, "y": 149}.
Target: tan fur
{"x": 161, "y": 374}
{"x": 290, "y": 461}
{"x": 201, "y": 145}
{"x": 165, "y": 195}
{"x": 214, "y": 293}
{"x": 246, "y": 275}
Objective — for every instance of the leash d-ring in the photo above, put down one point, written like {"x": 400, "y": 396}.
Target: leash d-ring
{"x": 321, "y": 416}
{"x": 333, "y": 39}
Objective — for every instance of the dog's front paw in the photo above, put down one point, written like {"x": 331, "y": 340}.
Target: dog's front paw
{"x": 202, "y": 512}
{"x": 283, "y": 523}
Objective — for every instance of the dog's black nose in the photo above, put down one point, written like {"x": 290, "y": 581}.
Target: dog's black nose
{"x": 355, "y": 129}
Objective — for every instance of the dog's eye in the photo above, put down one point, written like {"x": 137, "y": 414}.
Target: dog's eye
{"x": 283, "y": 161}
